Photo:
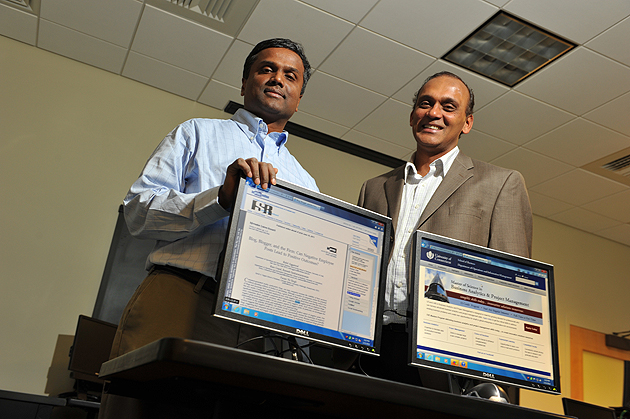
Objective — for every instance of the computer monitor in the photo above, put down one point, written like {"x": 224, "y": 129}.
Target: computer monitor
{"x": 91, "y": 347}
{"x": 483, "y": 314}
{"x": 305, "y": 264}
{"x": 583, "y": 410}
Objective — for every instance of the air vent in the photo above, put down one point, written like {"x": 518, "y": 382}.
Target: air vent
{"x": 216, "y": 9}
{"x": 225, "y": 16}
{"x": 31, "y": 6}
{"x": 620, "y": 166}
{"x": 23, "y": 3}
{"x": 615, "y": 167}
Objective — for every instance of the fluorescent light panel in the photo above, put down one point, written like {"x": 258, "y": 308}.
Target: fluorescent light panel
{"x": 507, "y": 50}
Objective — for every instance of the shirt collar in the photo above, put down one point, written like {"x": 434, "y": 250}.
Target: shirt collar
{"x": 439, "y": 167}
{"x": 254, "y": 126}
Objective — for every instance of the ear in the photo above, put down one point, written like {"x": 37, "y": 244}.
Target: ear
{"x": 298, "y": 103}
{"x": 468, "y": 125}
{"x": 243, "y": 82}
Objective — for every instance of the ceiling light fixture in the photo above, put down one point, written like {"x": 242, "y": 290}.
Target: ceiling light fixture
{"x": 507, "y": 49}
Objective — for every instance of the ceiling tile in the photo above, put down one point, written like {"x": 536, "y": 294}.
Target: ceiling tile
{"x": 599, "y": 80}
{"x": 578, "y": 187}
{"x": 319, "y": 124}
{"x": 217, "y": 95}
{"x": 164, "y": 76}
{"x": 375, "y": 144}
{"x": 579, "y": 142}
{"x": 179, "y": 42}
{"x": 584, "y": 220}
{"x": 18, "y": 24}
{"x": 615, "y": 206}
{"x": 546, "y": 206}
{"x": 352, "y": 10}
{"x": 230, "y": 70}
{"x": 338, "y": 101}
{"x": 613, "y": 114}
{"x": 484, "y": 90}
{"x": 81, "y": 47}
{"x": 317, "y": 31}
{"x": 499, "y": 3}
{"x": 620, "y": 233}
{"x": 518, "y": 119}
{"x": 389, "y": 122}
{"x": 483, "y": 147}
{"x": 416, "y": 23}
{"x": 534, "y": 167}
{"x": 112, "y": 20}
{"x": 385, "y": 72}
{"x": 576, "y": 20}
{"x": 609, "y": 43}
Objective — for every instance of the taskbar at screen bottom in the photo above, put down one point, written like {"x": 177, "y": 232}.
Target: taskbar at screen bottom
{"x": 300, "y": 329}
{"x": 463, "y": 366}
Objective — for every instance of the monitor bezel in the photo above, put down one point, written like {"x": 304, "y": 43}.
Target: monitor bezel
{"x": 413, "y": 320}
{"x": 228, "y": 255}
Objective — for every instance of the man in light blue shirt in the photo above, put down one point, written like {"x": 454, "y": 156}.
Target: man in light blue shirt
{"x": 183, "y": 197}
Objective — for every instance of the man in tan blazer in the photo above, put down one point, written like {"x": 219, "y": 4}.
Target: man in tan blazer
{"x": 445, "y": 192}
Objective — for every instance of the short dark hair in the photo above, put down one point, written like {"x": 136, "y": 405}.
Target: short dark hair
{"x": 278, "y": 43}
{"x": 471, "y": 95}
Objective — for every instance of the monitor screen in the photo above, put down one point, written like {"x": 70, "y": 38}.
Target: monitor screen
{"x": 305, "y": 264}
{"x": 483, "y": 314}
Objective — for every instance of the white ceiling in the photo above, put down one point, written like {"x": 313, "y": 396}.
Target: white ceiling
{"x": 370, "y": 56}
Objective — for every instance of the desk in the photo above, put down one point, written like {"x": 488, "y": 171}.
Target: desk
{"x": 16, "y": 405}
{"x": 230, "y": 382}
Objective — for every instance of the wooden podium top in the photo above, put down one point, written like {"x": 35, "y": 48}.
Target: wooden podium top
{"x": 296, "y": 386}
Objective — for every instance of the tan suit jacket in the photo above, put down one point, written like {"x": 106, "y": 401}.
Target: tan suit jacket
{"x": 476, "y": 202}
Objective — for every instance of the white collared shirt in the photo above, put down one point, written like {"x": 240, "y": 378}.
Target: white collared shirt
{"x": 417, "y": 192}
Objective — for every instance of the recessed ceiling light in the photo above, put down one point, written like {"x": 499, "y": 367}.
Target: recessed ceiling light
{"x": 507, "y": 49}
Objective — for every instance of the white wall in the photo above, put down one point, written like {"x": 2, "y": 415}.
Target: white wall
{"x": 73, "y": 138}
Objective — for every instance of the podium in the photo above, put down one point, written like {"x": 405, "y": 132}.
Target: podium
{"x": 208, "y": 380}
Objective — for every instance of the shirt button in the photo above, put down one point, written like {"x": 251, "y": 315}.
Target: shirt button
{"x": 399, "y": 284}
{"x": 417, "y": 206}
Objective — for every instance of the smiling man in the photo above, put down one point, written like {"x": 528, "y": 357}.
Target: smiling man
{"x": 442, "y": 191}
{"x": 183, "y": 196}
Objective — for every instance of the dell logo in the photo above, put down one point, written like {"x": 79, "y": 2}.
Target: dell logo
{"x": 488, "y": 375}
{"x": 262, "y": 207}
{"x": 301, "y": 332}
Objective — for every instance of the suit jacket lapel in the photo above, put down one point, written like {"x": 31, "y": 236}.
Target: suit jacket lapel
{"x": 459, "y": 173}
{"x": 393, "y": 193}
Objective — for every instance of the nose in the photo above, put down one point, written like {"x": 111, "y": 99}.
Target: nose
{"x": 435, "y": 111}
{"x": 276, "y": 79}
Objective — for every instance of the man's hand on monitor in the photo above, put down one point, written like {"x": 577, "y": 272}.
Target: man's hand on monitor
{"x": 263, "y": 174}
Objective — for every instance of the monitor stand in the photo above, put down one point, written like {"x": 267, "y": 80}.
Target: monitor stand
{"x": 475, "y": 388}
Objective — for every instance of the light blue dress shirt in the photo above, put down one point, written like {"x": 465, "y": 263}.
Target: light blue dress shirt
{"x": 175, "y": 199}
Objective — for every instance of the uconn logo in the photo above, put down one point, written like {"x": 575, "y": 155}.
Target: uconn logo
{"x": 262, "y": 207}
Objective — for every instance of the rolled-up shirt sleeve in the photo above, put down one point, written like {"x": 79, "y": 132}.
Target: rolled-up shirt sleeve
{"x": 164, "y": 203}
